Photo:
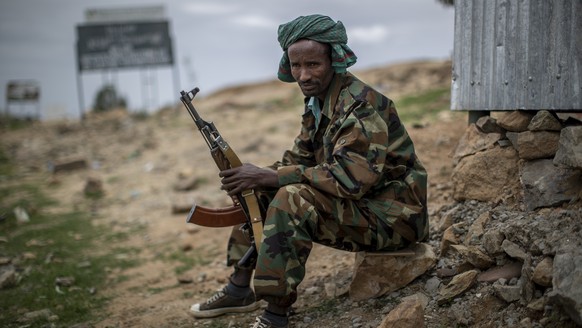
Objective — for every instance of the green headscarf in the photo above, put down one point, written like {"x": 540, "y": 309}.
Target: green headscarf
{"x": 317, "y": 28}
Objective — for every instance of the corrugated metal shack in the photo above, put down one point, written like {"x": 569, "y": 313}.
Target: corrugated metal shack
{"x": 517, "y": 55}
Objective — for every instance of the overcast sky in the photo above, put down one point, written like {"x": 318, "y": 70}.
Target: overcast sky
{"x": 217, "y": 43}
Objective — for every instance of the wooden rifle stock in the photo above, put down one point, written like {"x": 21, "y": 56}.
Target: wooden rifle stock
{"x": 217, "y": 217}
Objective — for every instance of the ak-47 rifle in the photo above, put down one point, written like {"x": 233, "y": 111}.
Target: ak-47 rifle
{"x": 245, "y": 208}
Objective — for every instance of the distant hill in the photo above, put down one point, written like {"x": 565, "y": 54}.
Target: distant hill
{"x": 394, "y": 80}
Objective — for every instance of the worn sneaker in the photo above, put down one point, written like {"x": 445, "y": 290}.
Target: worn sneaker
{"x": 221, "y": 303}
{"x": 261, "y": 322}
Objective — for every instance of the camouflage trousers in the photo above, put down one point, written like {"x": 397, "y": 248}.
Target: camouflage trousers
{"x": 295, "y": 217}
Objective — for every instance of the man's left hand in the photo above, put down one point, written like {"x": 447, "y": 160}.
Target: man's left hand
{"x": 247, "y": 177}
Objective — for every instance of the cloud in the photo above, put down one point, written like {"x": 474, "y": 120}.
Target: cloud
{"x": 256, "y": 21}
{"x": 368, "y": 34}
{"x": 209, "y": 8}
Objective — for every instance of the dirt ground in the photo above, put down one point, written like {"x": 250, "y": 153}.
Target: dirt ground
{"x": 140, "y": 162}
{"x": 151, "y": 208}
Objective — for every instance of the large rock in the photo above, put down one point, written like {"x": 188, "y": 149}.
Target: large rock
{"x": 546, "y": 185}
{"x": 487, "y": 175}
{"x": 488, "y": 124}
{"x": 567, "y": 282}
{"x": 569, "y": 151}
{"x": 474, "y": 256}
{"x": 376, "y": 275}
{"x": 535, "y": 144}
{"x": 516, "y": 121}
{"x": 474, "y": 141}
{"x": 544, "y": 121}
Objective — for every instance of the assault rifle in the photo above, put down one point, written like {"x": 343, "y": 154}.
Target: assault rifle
{"x": 245, "y": 209}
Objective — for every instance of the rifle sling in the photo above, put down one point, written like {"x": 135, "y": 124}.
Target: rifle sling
{"x": 250, "y": 200}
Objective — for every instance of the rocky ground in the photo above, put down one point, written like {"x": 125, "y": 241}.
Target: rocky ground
{"x": 144, "y": 165}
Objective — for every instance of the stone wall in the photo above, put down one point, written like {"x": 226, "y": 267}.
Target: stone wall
{"x": 531, "y": 158}
{"x": 531, "y": 162}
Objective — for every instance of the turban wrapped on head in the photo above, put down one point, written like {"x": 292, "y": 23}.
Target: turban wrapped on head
{"x": 317, "y": 28}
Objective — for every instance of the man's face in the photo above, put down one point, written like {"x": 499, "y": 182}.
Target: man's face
{"x": 311, "y": 67}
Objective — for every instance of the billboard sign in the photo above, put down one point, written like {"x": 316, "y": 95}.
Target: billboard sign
{"x": 23, "y": 91}
{"x": 123, "y": 45}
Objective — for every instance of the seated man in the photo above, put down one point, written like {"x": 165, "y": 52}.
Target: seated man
{"x": 352, "y": 180}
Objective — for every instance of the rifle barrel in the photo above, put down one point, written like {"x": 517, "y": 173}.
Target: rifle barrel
{"x": 187, "y": 98}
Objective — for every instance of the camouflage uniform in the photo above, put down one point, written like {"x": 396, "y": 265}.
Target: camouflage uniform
{"x": 353, "y": 183}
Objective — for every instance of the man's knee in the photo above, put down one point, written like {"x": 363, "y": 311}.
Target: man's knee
{"x": 294, "y": 196}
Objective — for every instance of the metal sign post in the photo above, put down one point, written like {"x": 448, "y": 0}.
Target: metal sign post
{"x": 23, "y": 92}
{"x": 123, "y": 38}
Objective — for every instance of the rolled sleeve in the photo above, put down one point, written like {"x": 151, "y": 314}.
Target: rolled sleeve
{"x": 290, "y": 174}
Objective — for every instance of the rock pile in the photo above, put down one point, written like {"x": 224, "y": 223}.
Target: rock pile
{"x": 526, "y": 241}
{"x": 509, "y": 249}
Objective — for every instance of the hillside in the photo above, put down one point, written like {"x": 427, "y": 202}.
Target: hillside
{"x": 150, "y": 168}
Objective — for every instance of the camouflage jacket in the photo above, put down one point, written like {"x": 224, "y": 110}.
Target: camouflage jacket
{"x": 359, "y": 151}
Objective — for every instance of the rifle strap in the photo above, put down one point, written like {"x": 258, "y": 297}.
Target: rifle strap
{"x": 250, "y": 200}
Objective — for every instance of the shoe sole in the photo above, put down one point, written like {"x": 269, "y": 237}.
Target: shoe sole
{"x": 221, "y": 311}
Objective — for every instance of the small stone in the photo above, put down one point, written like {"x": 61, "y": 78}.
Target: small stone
{"x": 8, "y": 276}
{"x": 201, "y": 277}
{"x": 543, "y": 272}
{"x": 312, "y": 290}
{"x": 537, "y": 305}
{"x": 185, "y": 279}
{"x": 506, "y": 272}
{"x": 192, "y": 229}
{"x": 458, "y": 285}
{"x": 187, "y": 247}
{"x": 507, "y": 293}
{"x": 409, "y": 313}
{"x": 513, "y": 250}
{"x": 93, "y": 187}
{"x": 446, "y": 272}
{"x": 21, "y": 215}
{"x": 35, "y": 315}
{"x": 525, "y": 323}
{"x": 432, "y": 285}
{"x": 65, "y": 281}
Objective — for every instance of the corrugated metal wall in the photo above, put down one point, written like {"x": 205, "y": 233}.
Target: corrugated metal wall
{"x": 517, "y": 54}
